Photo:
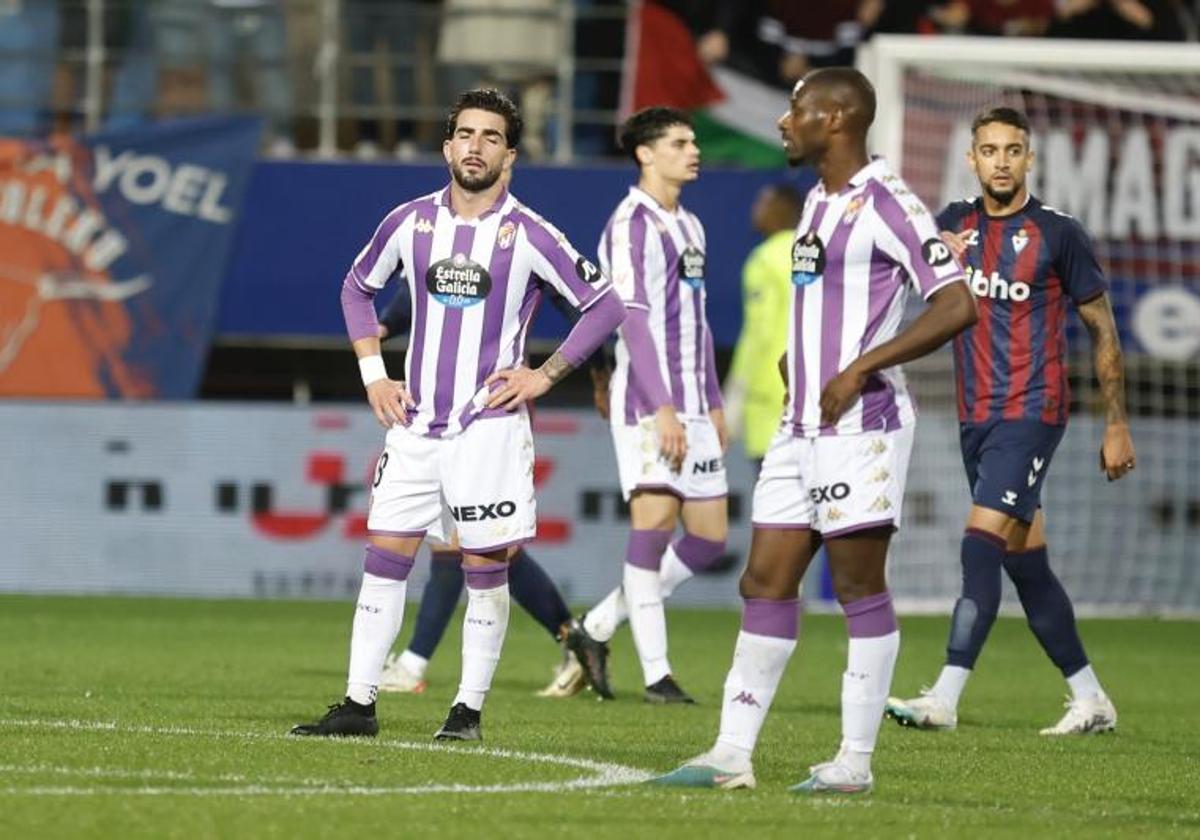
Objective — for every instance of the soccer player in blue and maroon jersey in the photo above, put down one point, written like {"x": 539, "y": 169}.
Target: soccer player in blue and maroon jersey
{"x": 1026, "y": 263}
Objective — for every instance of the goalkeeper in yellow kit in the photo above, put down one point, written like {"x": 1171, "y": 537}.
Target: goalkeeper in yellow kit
{"x": 754, "y": 390}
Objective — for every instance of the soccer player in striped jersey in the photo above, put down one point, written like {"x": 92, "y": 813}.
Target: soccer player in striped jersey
{"x": 1027, "y": 262}
{"x": 835, "y": 472}
{"x": 458, "y": 437}
{"x": 665, "y": 402}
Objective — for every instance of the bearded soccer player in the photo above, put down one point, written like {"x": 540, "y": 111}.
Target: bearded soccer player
{"x": 1025, "y": 262}
{"x": 665, "y": 408}
{"x": 835, "y": 472}
{"x": 473, "y": 258}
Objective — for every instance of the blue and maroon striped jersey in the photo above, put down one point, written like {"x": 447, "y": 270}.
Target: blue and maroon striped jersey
{"x": 1023, "y": 269}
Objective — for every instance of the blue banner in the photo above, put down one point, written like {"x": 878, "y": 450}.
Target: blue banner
{"x": 113, "y": 249}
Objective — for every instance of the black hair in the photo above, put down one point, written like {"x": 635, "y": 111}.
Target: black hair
{"x": 1007, "y": 116}
{"x": 488, "y": 99}
{"x": 786, "y": 192}
{"x": 649, "y": 124}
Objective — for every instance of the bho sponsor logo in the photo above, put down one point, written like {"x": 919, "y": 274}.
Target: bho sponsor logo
{"x": 458, "y": 282}
{"x": 997, "y": 288}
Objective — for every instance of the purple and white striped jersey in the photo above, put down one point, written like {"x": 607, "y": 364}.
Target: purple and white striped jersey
{"x": 475, "y": 287}
{"x": 853, "y": 260}
{"x": 656, "y": 259}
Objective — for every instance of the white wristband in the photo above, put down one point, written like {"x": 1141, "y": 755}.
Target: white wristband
{"x": 372, "y": 369}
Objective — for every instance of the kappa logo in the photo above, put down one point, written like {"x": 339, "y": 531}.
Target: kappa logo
{"x": 1019, "y": 240}
{"x": 1009, "y": 498}
{"x": 881, "y": 504}
{"x": 834, "y": 515}
{"x": 506, "y": 235}
{"x": 746, "y": 699}
{"x": 879, "y": 476}
{"x": 423, "y": 225}
{"x": 1032, "y": 478}
{"x": 875, "y": 447}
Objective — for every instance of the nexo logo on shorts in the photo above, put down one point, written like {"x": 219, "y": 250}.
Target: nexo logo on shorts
{"x": 997, "y": 288}
{"x": 691, "y": 266}
{"x": 808, "y": 259}
{"x": 458, "y": 281}
{"x": 830, "y": 492}
{"x": 478, "y": 513}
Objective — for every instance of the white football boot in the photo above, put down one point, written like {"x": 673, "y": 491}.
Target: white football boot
{"x": 568, "y": 680}
{"x": 397, "y": 679}
{"x": 1085, "y": 716}
{"x": 925, "y": 712}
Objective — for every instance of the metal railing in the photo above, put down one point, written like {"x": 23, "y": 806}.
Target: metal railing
{"x": 329, "y": 76}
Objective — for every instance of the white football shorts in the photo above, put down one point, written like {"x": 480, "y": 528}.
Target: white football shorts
{"x": 835, "y": 484}
{"x": 642, "y": 467}
{"x": 481, "y": 481}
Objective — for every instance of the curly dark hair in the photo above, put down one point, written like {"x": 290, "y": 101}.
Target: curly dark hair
{"x": 488, "y": 99}
{"x": 649, "y": 124}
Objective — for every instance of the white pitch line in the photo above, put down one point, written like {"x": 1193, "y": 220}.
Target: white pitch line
{"x": 603, "y": 774}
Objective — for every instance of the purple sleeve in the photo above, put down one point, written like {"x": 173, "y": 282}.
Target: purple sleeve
{"x": 926, "y": 260}
{"x": 712, "y": 386}
{"x": 593, "y": 328}
{"x": 358, "y": 308}
{"x": 643, "y": 360}
{"x": 1081, "y": 274}
{"x": 564, "y": 268}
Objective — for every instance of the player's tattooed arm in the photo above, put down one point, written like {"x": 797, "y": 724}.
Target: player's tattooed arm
{"x": 1117, "y": 455}
{"x": 555, "y": 368}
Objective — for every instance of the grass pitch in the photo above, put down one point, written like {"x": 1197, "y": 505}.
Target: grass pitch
{"x": 165, "y": 718}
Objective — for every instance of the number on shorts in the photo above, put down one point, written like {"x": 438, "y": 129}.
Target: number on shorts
{"x": 383, "y": 459}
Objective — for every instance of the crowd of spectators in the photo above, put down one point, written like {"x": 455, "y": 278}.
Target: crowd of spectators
{"x": 399, "y": 61}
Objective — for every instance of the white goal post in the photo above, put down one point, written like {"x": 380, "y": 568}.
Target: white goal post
{"x": 1116, "y": 131}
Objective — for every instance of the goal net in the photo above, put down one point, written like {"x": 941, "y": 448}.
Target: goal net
{"x": 1116, "y": 131}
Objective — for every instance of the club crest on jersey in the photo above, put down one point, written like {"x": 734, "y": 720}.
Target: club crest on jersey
{"x": 423, "y": 225}
{"x": 691, "y": 266}
{"x": 1019, "y": 240}
{"x": 506, "y": 235}
{"x": 808, "y": 259}
{"x": 458, "y": 282}
{"x": 853, "y": 209}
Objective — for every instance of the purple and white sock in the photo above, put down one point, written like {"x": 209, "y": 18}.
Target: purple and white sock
{"x": 870, "y": 660}
{"x": 377, "y": 619}
{"x": 484, "y": 628}
{"x": 688, "y": 556}
{"x": 764, "y": 646}
{"x": 643, "y": 598}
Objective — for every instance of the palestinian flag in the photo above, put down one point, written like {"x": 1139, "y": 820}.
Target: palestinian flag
{"x": 734, "y": 114}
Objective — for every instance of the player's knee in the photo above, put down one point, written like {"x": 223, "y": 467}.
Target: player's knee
{"x": 760, "y": 583}
{"x": 851, "y": 585}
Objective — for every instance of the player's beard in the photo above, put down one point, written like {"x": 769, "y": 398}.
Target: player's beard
{"x": 475, "y": 183}
{"x": 1002, "y": 197}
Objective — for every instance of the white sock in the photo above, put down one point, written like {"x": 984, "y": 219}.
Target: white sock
{"x": 602, "y": 620}
{"x": 865, "y": 684}
{"x": 758, "y": 663}
{"x": 950, "y": 684}
{"x": 648, "y": 621}
{"x": 672, "y": 573}
{"x": 484, "y": 627}
{"x": 377, "y": 619}
{"x": 414, "y": 663}
{"x": 1084, "y": 683}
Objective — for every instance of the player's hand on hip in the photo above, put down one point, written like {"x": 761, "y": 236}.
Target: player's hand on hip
{"x": 672, "y": 436}
{"x": 1116, "y": 453}
{"x": 717, "y": 416}
{"x": 520, "y": 384}
{"x": 390, "y": 400}
{"x": 838, "y": 395}
{"x": 956, "y": 242}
